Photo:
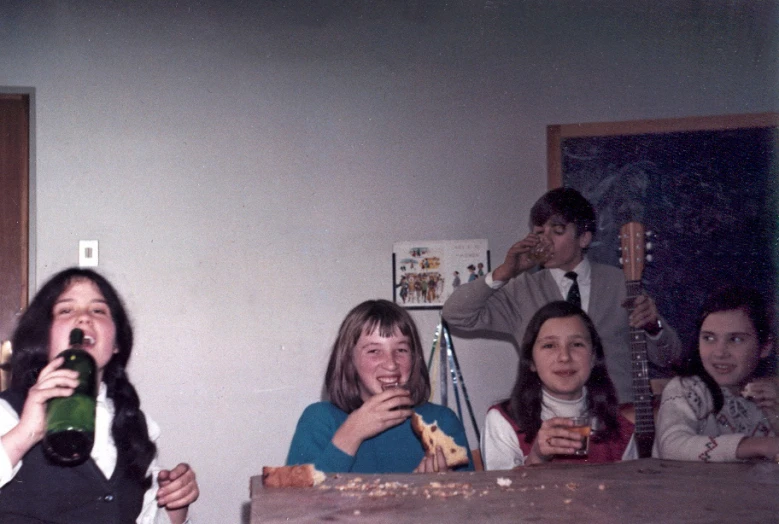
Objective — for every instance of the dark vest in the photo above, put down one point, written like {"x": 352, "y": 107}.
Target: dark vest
{"x": 600, "y": 451}
{"x": 42, "y": 492}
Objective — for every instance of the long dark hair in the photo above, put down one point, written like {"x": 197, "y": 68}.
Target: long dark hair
{"x": 524, "y": 404}
{"x": 731, "y": 298}
{"x": 342, "y": 381}
{"x": 30, "y": 342}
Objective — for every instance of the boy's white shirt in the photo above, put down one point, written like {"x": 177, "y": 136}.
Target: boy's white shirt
{"x": 583, "y": 277}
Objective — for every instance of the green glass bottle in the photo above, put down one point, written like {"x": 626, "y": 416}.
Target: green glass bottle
{"x": 70, "y": 421}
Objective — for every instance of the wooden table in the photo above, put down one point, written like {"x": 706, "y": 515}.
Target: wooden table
{"x": 647, "y": 490}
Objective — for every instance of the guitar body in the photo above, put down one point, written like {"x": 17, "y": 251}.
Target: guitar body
{"x": 633, "y": 243}
{"x": 644, "y": 439}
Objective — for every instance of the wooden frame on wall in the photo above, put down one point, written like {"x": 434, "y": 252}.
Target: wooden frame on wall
{"x": 557, "y": 134}
{"x": 706, "y": 186}
{"x": 15, "y": 152}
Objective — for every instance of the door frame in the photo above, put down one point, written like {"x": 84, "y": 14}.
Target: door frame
{"x": 20, "y": 172}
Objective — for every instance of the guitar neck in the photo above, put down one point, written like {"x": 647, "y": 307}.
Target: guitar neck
{"x": 642, "y": 390}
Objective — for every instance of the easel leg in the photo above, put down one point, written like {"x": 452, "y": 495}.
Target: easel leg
{"x": 459, "y": 378}
{"x": 448, "y": 362}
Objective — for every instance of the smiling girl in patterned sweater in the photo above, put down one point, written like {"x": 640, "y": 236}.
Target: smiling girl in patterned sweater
{"x": 724, "y": 409}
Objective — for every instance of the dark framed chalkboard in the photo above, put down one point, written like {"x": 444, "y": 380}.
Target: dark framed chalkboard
{"x": 706, "y": 187}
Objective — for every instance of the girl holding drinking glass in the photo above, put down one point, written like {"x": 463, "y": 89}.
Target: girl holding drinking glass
{"x": 562, "y": 375}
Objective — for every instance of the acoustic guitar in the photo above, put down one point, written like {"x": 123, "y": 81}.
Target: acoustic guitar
{"x": 633, "y": 254}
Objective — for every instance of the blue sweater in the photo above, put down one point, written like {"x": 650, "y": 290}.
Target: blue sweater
{"x": 395, "y": 450}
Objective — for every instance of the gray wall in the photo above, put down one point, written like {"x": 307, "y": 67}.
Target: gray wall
{"x": 247, "y": 169}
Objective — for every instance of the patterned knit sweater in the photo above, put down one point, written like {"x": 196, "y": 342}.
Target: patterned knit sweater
{"x": 688, "y": 428}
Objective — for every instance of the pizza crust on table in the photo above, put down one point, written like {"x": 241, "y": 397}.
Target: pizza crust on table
{"x": 299, "y": 476}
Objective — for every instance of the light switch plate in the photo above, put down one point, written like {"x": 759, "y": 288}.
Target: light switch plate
{"x": 87, "y": 253}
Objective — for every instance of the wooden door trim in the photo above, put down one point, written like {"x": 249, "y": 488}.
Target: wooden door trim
{"x": 15, "y": 204}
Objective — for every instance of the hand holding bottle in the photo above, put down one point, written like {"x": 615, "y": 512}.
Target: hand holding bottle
{"x": 70, "y": 421}
{"x": 52, "y": 382}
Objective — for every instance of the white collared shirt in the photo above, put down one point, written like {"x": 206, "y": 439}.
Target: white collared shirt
{"x": 584, "y": 278}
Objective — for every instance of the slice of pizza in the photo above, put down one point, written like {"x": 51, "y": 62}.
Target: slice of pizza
{"x": 433, "y": 436}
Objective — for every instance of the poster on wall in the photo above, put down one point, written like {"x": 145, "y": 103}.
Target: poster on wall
{"x": 425, "y": 273}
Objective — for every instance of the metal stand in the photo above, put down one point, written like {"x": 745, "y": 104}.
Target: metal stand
{"x": 448, "y": 365}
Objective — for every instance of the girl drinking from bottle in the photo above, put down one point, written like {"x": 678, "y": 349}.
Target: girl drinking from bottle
{"x": 722, "y": 408}
{"x": 561, "y": 376}
{"x": 376, "y": 379}
{"x": 121, "y": 481}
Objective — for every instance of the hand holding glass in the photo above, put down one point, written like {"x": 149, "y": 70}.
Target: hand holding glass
{"x": 583, "y": 427}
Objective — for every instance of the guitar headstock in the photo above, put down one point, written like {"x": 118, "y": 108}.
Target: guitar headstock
{"x": 633, "y": 248}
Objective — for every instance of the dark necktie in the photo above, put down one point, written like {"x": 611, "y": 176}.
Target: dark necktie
{"x": 574, "y": 297}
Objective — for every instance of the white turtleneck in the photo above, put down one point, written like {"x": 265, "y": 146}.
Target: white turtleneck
{"x": 499, "y": 442}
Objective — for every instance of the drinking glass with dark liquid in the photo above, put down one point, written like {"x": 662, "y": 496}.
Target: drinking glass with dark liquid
{"x": 385, "y": 387}
{"x": 582, "y": 426}
{"x": 70, "y": 421}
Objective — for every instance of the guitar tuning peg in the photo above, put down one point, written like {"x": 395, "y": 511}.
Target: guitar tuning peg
{"x": 649, "y": 246}
{"x": 649, "y": 258}
{"x": 621, "y": 261}
{"x": 649, "y": 234}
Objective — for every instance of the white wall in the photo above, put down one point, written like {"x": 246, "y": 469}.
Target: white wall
{"x": 247, "y": 170}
